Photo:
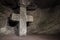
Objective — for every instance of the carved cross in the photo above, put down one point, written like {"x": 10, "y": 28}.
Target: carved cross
{"x": 22, "y": 18}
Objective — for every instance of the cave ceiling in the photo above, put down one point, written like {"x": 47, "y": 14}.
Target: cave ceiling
{"x": 40, "y": 3}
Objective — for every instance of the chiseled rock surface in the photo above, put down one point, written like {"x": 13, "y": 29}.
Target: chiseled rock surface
{"x": 46, "y": 21}
{"x": 4, "y": 14}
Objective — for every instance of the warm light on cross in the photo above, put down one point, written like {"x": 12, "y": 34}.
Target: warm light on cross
{"x": 22, "y": 17}
{"x": 16, "y": 17}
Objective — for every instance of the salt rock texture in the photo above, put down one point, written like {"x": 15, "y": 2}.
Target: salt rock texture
{"x": 46, "y": 21}
{"x": 4, "y": 14}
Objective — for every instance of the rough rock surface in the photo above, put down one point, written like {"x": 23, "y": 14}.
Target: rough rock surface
{"x": 46, "y": 21}
{"x": 4, "y": 14}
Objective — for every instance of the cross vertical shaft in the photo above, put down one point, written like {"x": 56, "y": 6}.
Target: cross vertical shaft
{"x": 22, "y": 22}
{"x": 22, "y": 27}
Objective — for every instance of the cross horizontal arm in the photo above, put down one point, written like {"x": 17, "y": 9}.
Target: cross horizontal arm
{"x": 15, "y": 17}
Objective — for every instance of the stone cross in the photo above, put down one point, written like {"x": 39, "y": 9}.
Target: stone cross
{"x": 22, "y": 18}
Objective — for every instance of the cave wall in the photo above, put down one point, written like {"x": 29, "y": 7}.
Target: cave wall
{"x": 46, "y": 21}
{"x": 5, "y": 13}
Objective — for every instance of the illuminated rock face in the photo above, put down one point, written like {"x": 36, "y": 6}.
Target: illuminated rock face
{"x": 46, "y": 21}
{"x": 4, "y": 14}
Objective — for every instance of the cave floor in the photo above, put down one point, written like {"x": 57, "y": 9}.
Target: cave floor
{"x": 30, "y": 37}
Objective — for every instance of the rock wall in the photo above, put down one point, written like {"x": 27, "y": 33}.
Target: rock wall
{"x": 5, "y": 12}
{"x": 46, "y": 21}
